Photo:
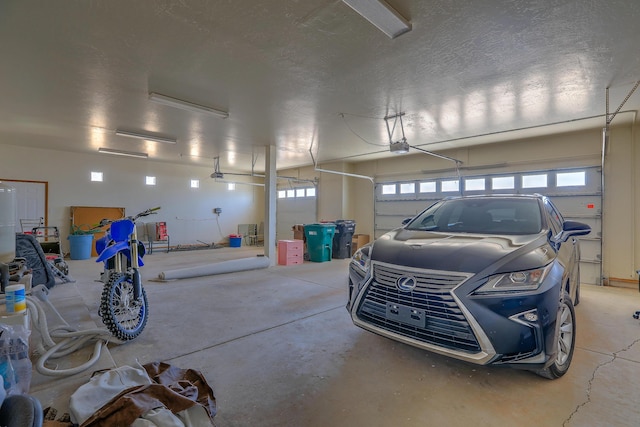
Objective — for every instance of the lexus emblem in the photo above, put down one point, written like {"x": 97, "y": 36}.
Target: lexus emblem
{"x": 406, "y": 283}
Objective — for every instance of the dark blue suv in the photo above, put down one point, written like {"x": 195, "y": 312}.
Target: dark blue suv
{"x": 485, "y": 279}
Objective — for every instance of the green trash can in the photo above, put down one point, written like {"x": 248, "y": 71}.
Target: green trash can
{"x": 319, "y": 241}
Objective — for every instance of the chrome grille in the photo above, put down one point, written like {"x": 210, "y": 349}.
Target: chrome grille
{"x": 445, "y": 324}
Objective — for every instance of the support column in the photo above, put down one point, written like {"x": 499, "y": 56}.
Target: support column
{"x": 270, "y": 204}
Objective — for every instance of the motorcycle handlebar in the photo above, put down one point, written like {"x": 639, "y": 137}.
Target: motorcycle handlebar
{"x": 148, "y": 212}
{"x": 106, "y": 221}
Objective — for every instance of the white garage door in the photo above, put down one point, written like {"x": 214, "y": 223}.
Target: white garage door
{"x": 294, "y": 206}
{"x": 576, "y": 192}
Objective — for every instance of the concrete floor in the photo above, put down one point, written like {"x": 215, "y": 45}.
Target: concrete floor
{"x": 279, "y": 349}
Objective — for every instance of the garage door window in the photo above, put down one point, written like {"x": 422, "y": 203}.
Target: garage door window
{"x": 476, "y": 184}
{"x": 389, "y": 189}
{"x": 534, "y": 181}
{"x": 448, "y": 186}
{"x": 408, "y": 188}
{"x": 428, "y": 187}
{"x": 568, "y": 179}
{"x": 503, "y": 183}
{"x": 311, "y": 192}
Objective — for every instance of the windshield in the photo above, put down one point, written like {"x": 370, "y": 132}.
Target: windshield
{"x": 482, "y": 216}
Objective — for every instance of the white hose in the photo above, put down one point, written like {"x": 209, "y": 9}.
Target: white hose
{"x": 70, "y": 338}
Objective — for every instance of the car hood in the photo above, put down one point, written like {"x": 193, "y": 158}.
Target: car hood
{"x": 462, "y": 252}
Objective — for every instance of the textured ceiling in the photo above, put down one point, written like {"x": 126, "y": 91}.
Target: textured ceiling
{"x": 296, "y": 73}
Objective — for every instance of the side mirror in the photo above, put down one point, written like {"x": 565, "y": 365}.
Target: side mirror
{"x": 572, "y": 228}
{"x": 406, "y": 221}
{"x": 575, "y": 228}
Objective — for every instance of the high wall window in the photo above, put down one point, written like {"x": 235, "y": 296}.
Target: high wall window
{"x": 150, "y": 180}
{"x": 96, "y": 176}
{"x": 195, "y": 183}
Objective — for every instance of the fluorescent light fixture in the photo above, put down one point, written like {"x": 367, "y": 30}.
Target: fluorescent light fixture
{"x": 380, "y": 14}
{"x": 400, "y": 147}
{"x": 185, "y": 105}
{"x": 146, "y": 136}
{"x": 123, "y": 153}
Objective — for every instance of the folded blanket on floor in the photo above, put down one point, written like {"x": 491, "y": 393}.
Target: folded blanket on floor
{"x": 156, "y": 394}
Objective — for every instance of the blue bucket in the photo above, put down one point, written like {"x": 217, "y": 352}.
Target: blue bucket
{"x": 80, "y": 246}
{"x": 235, "y": 242}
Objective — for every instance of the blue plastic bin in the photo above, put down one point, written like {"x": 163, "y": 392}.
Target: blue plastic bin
{"x": 235, "y": 241}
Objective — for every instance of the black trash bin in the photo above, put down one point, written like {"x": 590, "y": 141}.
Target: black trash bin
{"x": 342, "y": 239}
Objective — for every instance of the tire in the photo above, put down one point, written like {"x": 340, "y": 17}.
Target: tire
{"x": 566, "y": 340}
{"x": 124, "y": 317}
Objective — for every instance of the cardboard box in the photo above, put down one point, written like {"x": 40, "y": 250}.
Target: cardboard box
{"x": 298, "y": 232}
{"x": 358, "y": 240}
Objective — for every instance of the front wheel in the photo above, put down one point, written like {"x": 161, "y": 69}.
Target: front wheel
{"x": 566, "y": 341}
{"x": 124, "y": 316}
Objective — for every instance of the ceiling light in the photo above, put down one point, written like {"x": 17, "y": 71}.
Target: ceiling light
{"x": 380, "y": 14}
{"x": 185, "y": 105}
{"x": 123, "y": 153}
{"x": 146, "y": 137}
{"x": 400, "y": 147}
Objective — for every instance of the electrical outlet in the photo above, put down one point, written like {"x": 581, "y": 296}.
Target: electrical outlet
{"x": 217, "y": 211}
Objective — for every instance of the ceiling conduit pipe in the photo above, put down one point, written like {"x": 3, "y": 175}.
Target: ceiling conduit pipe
{"x": 315, "y": 166}
{"x": 440, "y": 156}
{"x": 605, "y": 143}
{"x": 353, "y": 175}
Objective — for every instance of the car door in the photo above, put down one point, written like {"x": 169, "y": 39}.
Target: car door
{"x": 568, "y": 251}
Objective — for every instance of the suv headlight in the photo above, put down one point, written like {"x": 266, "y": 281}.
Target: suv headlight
{"x": 517, "y": 281}
{"x": 361, "y": 259}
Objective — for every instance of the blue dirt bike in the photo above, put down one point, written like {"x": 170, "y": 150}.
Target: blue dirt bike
{"x": 123, "y": 306}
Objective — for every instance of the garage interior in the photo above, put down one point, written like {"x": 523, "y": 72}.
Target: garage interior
{"x": 310, "y": 110}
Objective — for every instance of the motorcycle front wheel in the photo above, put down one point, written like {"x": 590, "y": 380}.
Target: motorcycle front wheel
{"x": 124, "y": 316}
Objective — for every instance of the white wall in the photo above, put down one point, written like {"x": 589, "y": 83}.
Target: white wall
{"x": 188, "y": 212}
